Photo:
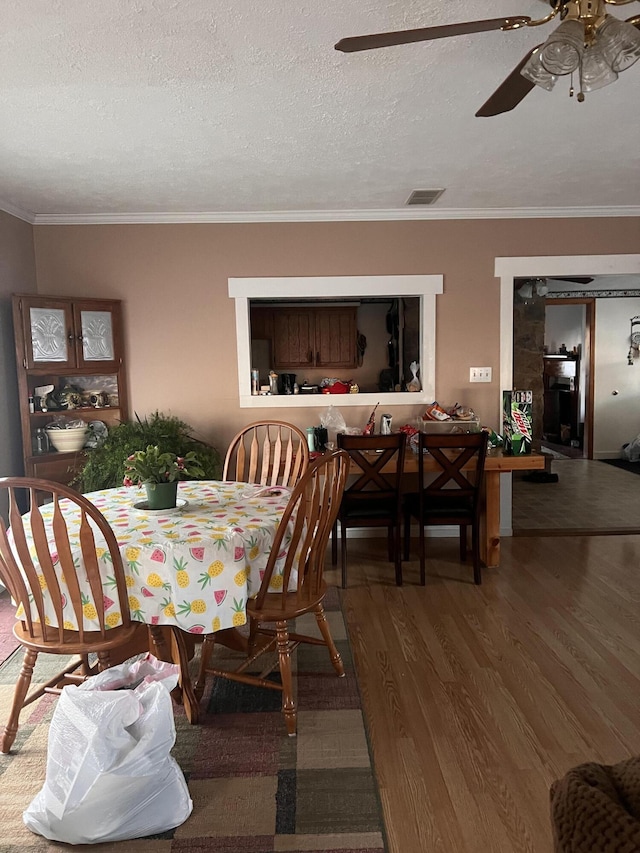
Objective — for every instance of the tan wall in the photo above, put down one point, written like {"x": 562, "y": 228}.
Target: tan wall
{"x": 17, "y": 275}
{"x": 180, "y": 322}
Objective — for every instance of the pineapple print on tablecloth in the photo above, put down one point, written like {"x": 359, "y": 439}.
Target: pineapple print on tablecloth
{"x": 134, "y": 607}
{"x": 132, "y": 556}
{"x": 88, "y": 609}
{"x": 182, "y": 576}
{"x": 239, "y": 615}
{"x": 216, "y": 568}
{"x": 168, "y": 608}
{"x": 113, "y": 619}
{"x": 240, "y": 578}
{"x": 155, "y": 581}
{"x": 215, "y": 623}
{"x": 254, "y": 548}
{"x": 196, "y": 606}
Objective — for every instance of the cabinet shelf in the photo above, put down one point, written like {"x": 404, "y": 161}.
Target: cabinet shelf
{"x": 70, "y": 413}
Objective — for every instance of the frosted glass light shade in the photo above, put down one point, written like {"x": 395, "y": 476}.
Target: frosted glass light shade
{"x": 535, "y": 71}
{"x": 562, "y": 51}
{"x": 619, "y": 43}
{"x": 595, "y": 71}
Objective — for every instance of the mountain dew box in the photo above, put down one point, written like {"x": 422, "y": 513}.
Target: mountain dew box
{"x": 516, "y": 422}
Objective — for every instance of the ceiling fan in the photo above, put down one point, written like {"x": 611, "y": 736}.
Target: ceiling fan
{"x": 589, "y": 40}
{"x": 531, "y": 288}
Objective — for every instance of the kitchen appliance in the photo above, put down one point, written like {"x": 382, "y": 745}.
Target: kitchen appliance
{"x": 286, "y": 381}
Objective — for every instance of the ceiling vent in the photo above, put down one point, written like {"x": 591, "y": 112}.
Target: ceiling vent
{"x": 424, "y": 196}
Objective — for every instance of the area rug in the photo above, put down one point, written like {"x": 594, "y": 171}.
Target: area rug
{"x": 254, "y": 789}
{"x": 634, "y": 467}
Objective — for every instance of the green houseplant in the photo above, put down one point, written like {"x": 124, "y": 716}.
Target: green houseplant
{"x": 103, "y": 467}
{"x": 159, "y": 472}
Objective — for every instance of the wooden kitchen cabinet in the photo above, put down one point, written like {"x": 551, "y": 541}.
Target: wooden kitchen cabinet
{"x": 336, "y": 337}
{"x": 310, "y": 337}
{"x": 67, "y": 342}
{"x": 293, "y": 338}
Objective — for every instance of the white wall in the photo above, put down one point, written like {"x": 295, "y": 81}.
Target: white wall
{"x": 564, "y": 324}
{"x": 617, "y": 416}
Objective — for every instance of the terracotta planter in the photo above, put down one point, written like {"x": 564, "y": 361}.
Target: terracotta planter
{"x": 161, "y": 495}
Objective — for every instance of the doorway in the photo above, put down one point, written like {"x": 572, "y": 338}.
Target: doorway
{"x": 508, "y": 269}
{"x": 553, "y": 356}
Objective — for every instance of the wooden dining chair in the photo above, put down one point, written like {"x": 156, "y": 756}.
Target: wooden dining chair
{"x": 38, "y": 568}
{"x": 271, "y": 453}
{"x": 375, "y": 498}
{"x": 450, "y": 495}
{"x": 297, "y": 555}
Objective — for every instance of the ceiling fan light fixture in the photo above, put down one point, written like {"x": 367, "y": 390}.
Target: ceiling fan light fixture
{"x": 619, "y": 42}
{"x": 562, "y": 52}
{"x": 525, "y": 291}
{"x": 595, "y": 72}
{"x": 535, "y": 71}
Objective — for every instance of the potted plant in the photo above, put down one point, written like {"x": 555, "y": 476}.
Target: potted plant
{"x": 104, "y": 463}
{"x": 159, "y": 472}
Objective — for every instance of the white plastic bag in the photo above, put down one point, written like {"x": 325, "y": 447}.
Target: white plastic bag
{"x": 631, "y": 451}
{"x": 331, "y": 419}
{"x": 109, "y": 772}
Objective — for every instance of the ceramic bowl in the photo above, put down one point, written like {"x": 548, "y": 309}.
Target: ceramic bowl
{"x": 68, "y": 440}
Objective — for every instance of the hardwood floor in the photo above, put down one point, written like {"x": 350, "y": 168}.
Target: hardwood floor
{"x": 477, "y": 698}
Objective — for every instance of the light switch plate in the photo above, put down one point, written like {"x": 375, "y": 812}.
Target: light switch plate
{"x": 479, "y": 374}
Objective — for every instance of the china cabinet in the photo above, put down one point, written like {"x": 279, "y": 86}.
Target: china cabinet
{"x": 70, "y": 360}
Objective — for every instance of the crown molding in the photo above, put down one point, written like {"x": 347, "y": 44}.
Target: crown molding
{"x": 327, "y": 215}
{"x": 18, "y": 212}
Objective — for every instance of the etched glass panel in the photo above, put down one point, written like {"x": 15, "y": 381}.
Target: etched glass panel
{"x": 48, "y": 334}
{"x": 97, "y": 336}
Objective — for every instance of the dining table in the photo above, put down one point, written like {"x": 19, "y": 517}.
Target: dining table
{"x": 190, "y": 568}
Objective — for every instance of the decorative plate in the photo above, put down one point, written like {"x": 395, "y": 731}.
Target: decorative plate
{"x": 143, "y": 506}
{"x": 98, "y": 433}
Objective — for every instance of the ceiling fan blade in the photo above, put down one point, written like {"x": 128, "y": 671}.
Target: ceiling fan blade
{"x": 510, "y": 92}
{"x": 354, "y": 43}
{"x": 580, "y": 279}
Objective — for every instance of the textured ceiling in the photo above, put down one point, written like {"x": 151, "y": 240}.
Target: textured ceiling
{"x": 219, "y": 106}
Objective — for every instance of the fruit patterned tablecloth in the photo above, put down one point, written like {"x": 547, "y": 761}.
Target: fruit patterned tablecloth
{"x": 193, "y": 567}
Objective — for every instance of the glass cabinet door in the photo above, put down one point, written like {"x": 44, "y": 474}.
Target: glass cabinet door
{"x": 49, "y": 334}
{"x": 96, "y": 329}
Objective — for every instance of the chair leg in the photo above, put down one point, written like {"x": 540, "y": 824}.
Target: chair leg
{"x": 343, "y": 553}
{"x": 475, "y": 545}
{"x": 19, "y": 695}
{"x": 334, "y": 544}
{"x": 463, "y": 543}
{"x": 205, "y": 657}
{"x": 407, "y": 535}
{"x": 323, "y": 625}
{"x": 397, "y": 531}
{"x": 423, "y": 569}
{"x": 161, "y": 649}
{"x": 284, "y": 658}
{"x": 104, "y": 660}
